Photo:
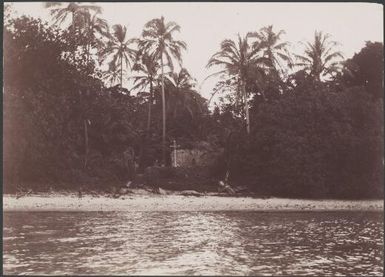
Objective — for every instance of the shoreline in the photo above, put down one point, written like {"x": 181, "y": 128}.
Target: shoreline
{"x": 71, "y": 202}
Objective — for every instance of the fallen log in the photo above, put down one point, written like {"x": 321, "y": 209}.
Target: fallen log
{"x": 24, "y": 194}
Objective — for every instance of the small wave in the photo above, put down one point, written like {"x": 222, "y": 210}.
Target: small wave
{"x": 10, "y": 238}
{"x": 67, "y": 239}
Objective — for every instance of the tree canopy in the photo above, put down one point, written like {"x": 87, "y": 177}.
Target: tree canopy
{"x": 314, "y": 122}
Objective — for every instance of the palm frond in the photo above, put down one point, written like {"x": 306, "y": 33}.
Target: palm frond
{"x": 51, "y": 4}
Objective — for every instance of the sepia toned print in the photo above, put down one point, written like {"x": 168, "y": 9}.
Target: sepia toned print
{"x": 193, "y": 139}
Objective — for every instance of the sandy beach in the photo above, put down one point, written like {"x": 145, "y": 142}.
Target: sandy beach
{"x": 57, "y": 202}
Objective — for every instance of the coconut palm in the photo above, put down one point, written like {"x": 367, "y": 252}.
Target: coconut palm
{"x": 78, "y": 13}
{"x": 118, "y": 49}
{"x": 112, "y": 75}
{"x": 181, "y": 80}
{"x": 158, "y": 42}
{"x": 181, "y": 96}
{"x": 80, "y": 20}
{"x": 273, "y": 48}
{"x": 319, "y": 59}
{"x": 147, "y": 68}
{"x": 239, "y": 58}
{"x": 94, "y": 30}
{"x": 75, "y": 10}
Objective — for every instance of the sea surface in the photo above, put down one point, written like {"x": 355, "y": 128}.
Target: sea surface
{"x": 194, "y": 243}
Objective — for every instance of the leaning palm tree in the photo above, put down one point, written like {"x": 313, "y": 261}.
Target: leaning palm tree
{"x": 319, "y": 59}
{"x": 158, "y": 42}
{"x": 118, "y": 48}
{"x": 239, "y": 58}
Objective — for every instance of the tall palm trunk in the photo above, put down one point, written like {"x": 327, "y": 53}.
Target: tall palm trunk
{"x": 85, "y": 143}
{"x": 86, "y": 148}
{"x": 73, "y": 33}
{"x": 163, "y": 116}
{"x": 88, "y": 53}
{"x": 149, "y": 109}
{"x": 146, "y": 138}
{"x": 246, "y": 107}
{"x": 121, "y": 72}
{"x": 88, "y": 49}
{"x": 85, "y": 49}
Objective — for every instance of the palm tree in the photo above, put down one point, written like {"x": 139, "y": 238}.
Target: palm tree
{"x": 319, "y": 57}
{"x": 181, "y": 96}
{"x": 148, "y": 67}
{"x": 75, "y": 10}
{"x": 181, "y": 80}
{"x": 78, "y": 13}
{"x": 239, "y": 59}
{"x": 118, "y": 49}
{"x": 94, "y": 29}
{"x": 112, "y": 75}
{"x": 276, "y": 52}
{"x": 273, "y": 48}
{"x": 158, "y": 42}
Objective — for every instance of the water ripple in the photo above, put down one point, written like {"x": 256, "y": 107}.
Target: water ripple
{"x": 193, "y": 243}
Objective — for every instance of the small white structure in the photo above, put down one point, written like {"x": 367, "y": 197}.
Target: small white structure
{"x": 186, "y": 157}
{"x": 194, "y": 157}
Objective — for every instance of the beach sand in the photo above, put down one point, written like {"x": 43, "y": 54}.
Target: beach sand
{"x": 70, "y": 202}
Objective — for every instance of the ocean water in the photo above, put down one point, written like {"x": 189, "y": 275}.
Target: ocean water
{"x": 194, "y": 243}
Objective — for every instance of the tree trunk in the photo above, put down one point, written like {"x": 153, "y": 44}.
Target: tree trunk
{"x": 146, "y": 139}
{"x": 163, "y": 116}
{"x": 121, "y": 72}
{"x": 149, "y": 110}
{"x": 88, "y": 52}
{"x": 73, "y": 33}
{"x": 86, "y": 149}
{"x": 246, "y": 107}
{"x": 85, "y": 49}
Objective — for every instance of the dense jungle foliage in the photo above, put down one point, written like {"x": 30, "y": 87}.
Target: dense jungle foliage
{"x": 308, "y": 125}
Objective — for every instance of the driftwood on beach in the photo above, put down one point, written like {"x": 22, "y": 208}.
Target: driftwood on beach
{"x": 21, "y": 194}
